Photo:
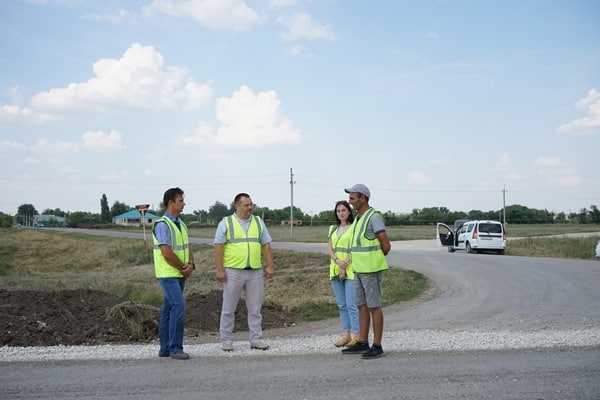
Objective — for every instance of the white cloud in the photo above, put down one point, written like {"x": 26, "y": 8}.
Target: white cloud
{"x": 568, "y": 180}
{"x": 221, "y": 14}
{"x": 589, "y": 125}
{"x": 302, "y": 26}
{"x": 47, "y": 148}
{"x": 247, "y": 120}
{"x": 116, "y": 18}
{"x": 517, "y": 176}
{"x": 250, "y": 120}
{"x": 15, "y": 111}
{"x": 438, "y": 161}
{"x": 555, "y": 171}
{"x": 91, "y": 141}
{"x": 103, "y": 142}
{"x": 548, "y": 162}
{"x": 8, "y": 147}
{"x": 138, "y": 80}
{"x": 282, "y": 3}
{"x": 9, "y": 111}
{"x": 432, "y": 35}
{"x": 417, "y": 178}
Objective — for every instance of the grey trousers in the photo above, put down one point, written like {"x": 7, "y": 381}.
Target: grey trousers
{"x": 252, "y": 284}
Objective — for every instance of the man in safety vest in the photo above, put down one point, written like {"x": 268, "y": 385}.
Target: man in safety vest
{"x": 369, "y": 246}
{"x": 173, "y": 264}
{"x": 241, "y": 240}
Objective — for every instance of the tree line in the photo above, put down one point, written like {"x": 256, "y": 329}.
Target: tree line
{"x": 514, "y": 214}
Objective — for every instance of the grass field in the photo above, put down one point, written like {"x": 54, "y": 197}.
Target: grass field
{"x": 39, "y": 259}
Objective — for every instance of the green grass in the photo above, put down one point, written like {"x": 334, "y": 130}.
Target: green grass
{"x": 583, "y": 248}
{"x": 51, "y": 260}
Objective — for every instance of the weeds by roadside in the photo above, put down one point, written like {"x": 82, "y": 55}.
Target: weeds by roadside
{"x": 51, "y": 260}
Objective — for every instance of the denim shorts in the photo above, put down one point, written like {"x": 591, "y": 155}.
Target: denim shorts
{"x": 367, "y": 289}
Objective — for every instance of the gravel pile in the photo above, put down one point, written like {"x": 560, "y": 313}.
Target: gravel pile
{"x": 400, "y": 341}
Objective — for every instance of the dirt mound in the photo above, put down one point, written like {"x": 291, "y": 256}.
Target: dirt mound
{"x": 80, "y": 317}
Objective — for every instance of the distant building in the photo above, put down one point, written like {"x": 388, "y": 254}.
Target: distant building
{"x": 134, "y": 218}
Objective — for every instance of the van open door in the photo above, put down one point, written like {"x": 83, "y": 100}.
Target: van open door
{"x": 445, "y": 236}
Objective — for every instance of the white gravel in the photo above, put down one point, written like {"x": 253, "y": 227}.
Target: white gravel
{"x": 400, "y": 341}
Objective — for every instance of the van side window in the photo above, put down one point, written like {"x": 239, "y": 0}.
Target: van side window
{"x": 470, "y": 228}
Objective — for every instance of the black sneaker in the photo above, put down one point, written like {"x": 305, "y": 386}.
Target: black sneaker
{"x": 374, "y": 352}
{"x": 356, "y": 348}
{"x": 180, "y": 356}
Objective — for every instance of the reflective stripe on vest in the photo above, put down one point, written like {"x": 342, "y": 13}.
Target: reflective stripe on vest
{"x": 341, "y": 248}
{"x": 367, "y": 255}
{"x": 179, "y": 246}
{"x": 242, "y": 249}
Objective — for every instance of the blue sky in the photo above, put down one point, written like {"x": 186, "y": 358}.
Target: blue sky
{"x": 429, "y": 103}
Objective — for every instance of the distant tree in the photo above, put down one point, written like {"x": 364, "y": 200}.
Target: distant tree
{"x": 82, "y": 217}
{"x": 560, "y": 218}
{"x": 57, "y": 211}
{"x": 594, "y": 215}
{"x": 6, "y": 220}
{"x": 284, "y": 213}
{"x": 218, "y": 211}
{"x": 517, "y": 214}
{"x": 119, "y": 208}
{"x": 431, "y": 215}
{"x": 161, "y": 208}
{"x": 25, "y": 214}
{"x": 582, "y": 217}
{"x": 105, "y": 216}
{"x": 201, "y": 216}
{"x": 326, "y": 217}
{"x": 573, "y": 217}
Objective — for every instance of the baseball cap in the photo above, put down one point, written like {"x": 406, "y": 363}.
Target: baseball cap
{"x": 359, "y": 188}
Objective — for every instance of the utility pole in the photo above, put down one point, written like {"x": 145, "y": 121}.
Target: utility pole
{"x": 292, "y": 203}
{"x": 504, "y": 206}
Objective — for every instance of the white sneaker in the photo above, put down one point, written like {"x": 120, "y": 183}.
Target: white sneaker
{"x": 259, "y": 345}
{"x": 227, "y": 346}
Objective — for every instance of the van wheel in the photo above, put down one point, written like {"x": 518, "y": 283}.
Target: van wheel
{"x": 468, "y": 248}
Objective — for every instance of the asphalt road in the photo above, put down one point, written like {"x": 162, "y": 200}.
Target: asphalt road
{"x": 527, "y": 374}
{"x": 540, "y": 320}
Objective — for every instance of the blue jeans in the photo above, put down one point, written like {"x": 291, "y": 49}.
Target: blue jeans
{"x": 344, "y": 297}
{"x": 172, "y": 316}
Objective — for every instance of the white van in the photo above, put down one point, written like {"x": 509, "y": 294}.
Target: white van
{"x": 472, "y": 236}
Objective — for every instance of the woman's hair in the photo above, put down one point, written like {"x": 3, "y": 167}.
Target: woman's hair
{"x": 350, "y": 213}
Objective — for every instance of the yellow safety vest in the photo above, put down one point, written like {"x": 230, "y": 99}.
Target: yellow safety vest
{"x": 179, "y": 245}
{"x": 341, "y": 248}
{"x": 242, "y": 249}
{"x": 367, "y": 256}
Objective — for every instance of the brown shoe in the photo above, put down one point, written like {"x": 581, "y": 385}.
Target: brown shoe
{"x": 343, "y": 342}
